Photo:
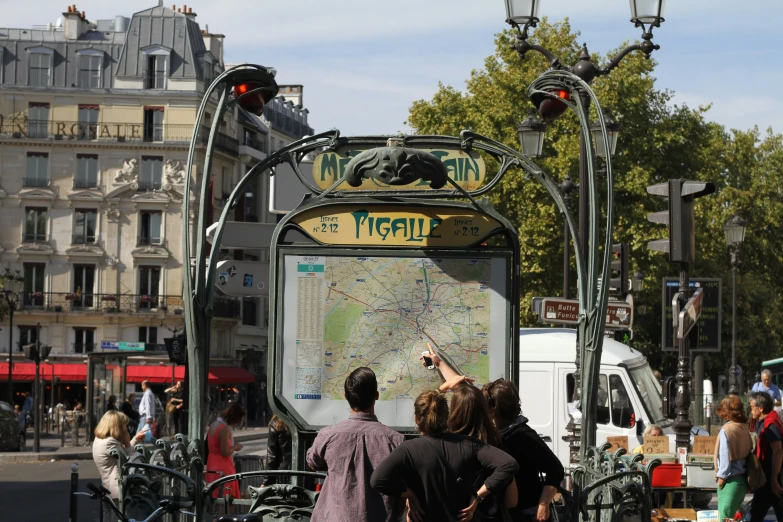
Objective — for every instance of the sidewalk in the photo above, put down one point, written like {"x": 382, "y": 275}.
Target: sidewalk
{"x": 51, "y": 450}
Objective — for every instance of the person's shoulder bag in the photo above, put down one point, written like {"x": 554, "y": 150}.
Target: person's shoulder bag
{"x": 756, "y": 477}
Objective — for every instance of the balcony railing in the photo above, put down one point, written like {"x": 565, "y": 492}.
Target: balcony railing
{"x": 227, "y": 307}
{"x": 253, "y": 142}
{"x": 146, "y": 241}
{"x": 34, "y": 238}
{"x": 149, "y": 184}
{"x": 82, "y": 239}
{"x": 35, "y": 182}
{"x": 80, "y": 183}
{"x": 102, "y": 303}
{"x": 223, "y": 142}
{"x": 83, "y": 347}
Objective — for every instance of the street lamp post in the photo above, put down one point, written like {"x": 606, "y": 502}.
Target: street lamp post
{"x": 523, "y": 15}
{"x": 735, "y": 235}
{"x": 12, "y": 286}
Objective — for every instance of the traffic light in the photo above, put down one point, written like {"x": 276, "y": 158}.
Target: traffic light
{"x": 681, "y": 244}
{"x": 619, "y": 279}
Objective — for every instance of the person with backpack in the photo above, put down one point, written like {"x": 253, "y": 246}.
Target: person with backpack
{"x": 438, "y": 471}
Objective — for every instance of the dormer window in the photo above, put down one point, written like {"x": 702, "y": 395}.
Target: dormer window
{"x": 90, "y": 68}
{"x": 40, "y": 67}
{"x": 155, "y": 64}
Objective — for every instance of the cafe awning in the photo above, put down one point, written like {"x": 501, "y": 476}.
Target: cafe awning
{"x": 66, "y": 372}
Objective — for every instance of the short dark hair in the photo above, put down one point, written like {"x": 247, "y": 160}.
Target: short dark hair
{"x": 763, "y": 400}
{"x": 234, "y": 414}
{"x": 503, "y": 397}
{"x": 361, "y": 388}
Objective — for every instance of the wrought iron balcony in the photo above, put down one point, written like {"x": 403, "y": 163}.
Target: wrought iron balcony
{"x": 81, "y": 183}
{"x": 101, "y": 303}
{"x": 82, "y": 239}
{"x": 227, "y": 308}
{"x": 147, "y": 240}
{"x": 223, "y": 142}
{"x": 35, "y": 182}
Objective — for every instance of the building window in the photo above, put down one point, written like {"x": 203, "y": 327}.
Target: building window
{"x": 153, "y": 124}
{"x": 151, "y": 173}
{"x": 84, "y": 340}
{"x": 83, "y": 286}
{"x": 27, "y": 335}
{"x": 38, "y": 120}
{"x": 40, "y": 70}
{"x": 90, "y": 71}
{"x": 88, "y": 122}
{"x": 84, "y": 221}
{"x": 149, "y": 287}
{"x": 250, "y": 311}
{"x": 35, "y": 225}
{"x": 227, "y": 180}
{"x": 34, "y": 284}
{"x": 150, "y": 228}
{"x": 155, "y": 77}
{"x": 148, "y": 335}
{"x": 86, "y": 171}
{"x": 37, "y": 170}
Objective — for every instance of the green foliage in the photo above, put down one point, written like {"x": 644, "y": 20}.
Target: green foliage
{"x": 658, "y": 141}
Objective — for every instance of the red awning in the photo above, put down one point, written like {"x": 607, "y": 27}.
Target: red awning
{"x": 154, "y": 374}
{"x": 66, "y": 372}
{"x": 230, "y": 375}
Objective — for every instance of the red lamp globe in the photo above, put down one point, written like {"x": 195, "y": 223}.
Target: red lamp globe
{"x": 254, "y": 102}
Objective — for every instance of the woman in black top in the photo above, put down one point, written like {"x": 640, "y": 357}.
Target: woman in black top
{"x": 528, "y": 449}
{"x": 436, "y": 471}
{"x": 133, "y": 416}
{"x": 278, "y": 450}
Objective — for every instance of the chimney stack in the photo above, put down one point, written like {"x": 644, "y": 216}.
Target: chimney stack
{"x": 74, "y": 23}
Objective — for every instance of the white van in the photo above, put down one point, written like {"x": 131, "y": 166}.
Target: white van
{"x": 629, "y": 394}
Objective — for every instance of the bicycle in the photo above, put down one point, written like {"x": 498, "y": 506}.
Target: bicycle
{"x": 165, "y": 506}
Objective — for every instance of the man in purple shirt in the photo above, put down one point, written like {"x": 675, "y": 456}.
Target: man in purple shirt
{"x": 350, "y": 451}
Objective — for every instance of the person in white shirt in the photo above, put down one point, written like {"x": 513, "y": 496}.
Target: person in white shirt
{"x": 146, "y": 406}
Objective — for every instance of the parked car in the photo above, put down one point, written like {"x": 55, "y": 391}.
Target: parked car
{"x": 12, "y": 434}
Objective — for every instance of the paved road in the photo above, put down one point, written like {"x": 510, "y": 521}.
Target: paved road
{"x": 38, "y": 491}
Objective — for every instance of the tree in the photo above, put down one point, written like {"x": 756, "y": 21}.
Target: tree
{"x": 658, "y": 141}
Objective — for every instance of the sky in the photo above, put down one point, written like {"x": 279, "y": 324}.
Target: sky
{"x": 363, "y": 63}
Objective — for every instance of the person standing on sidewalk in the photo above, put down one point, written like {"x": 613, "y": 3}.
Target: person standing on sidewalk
{"x": 731, "y": 453}
{"x": 173, "y": 408}
{"x": 278, "y": 449}
{"x": 770, "y": 452}
{"x": 350, "y": 451}
{"x": 146, "y": 406}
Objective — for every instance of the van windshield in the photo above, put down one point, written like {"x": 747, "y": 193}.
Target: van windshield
{"x": 650, "y": 391}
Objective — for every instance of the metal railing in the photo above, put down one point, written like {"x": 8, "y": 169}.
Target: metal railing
{"x": 255, "y": 143}
{"x": 223, "y": 142}
{"x": 35, "y": 182}
{"x": 82, "y": 239}
{"x": 227, "y": 307}
{"x": 150, "y": 240}
{"x": 81, "y": 183}
{"x": 103, "y": 303}
{"x": 150, "y": 184}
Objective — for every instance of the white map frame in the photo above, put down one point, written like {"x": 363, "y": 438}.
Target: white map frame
{"x": 398, "y": 413}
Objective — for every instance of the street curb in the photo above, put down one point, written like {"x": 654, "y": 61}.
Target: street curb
{"x": 86, "y": 454}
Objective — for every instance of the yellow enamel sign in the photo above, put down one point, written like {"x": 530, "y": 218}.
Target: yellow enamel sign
{"x": 395, "y": 226}
{"x": 466, "y": 169}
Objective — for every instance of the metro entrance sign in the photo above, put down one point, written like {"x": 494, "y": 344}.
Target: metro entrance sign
{"x": 554, "y": 310}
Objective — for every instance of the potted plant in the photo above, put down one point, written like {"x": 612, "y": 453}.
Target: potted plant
{"x": 109, "y": 297}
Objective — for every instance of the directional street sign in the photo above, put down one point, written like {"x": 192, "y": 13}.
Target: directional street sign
{"x": 246, "y": 278}
{"x": 239, "y": 234}
{"x": 690, "y": 314}
{"x": 554, "y": 310}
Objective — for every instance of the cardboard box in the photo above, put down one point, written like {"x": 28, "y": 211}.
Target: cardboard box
{"x": 669, "y": 513}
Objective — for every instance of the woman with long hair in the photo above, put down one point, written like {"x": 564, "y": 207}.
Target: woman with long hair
{"x": 731, "y": 453}
{"x": 221, "y": 445}
{"x": 436, "y": 472}
{"x": 112, "y": 433}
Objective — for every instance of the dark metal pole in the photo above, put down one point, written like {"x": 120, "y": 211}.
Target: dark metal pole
{"x": 73, "y": 506}
{"x": 733, "y": 384}
{"x": 37, "y": 391}
{"x": 11, "y": 307}
{"x": 682, "y": 425}
{"x": 567, "y": 186}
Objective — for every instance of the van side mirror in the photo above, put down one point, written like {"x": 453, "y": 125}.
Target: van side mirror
{"x": 669, "y": 406}
{"x": 639, "y": 427}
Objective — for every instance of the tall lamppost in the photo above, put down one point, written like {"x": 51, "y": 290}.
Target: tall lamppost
{"x": 12, "y": 287}
{"x": 523, "y": 15}
{"x": 735, "y": 235}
